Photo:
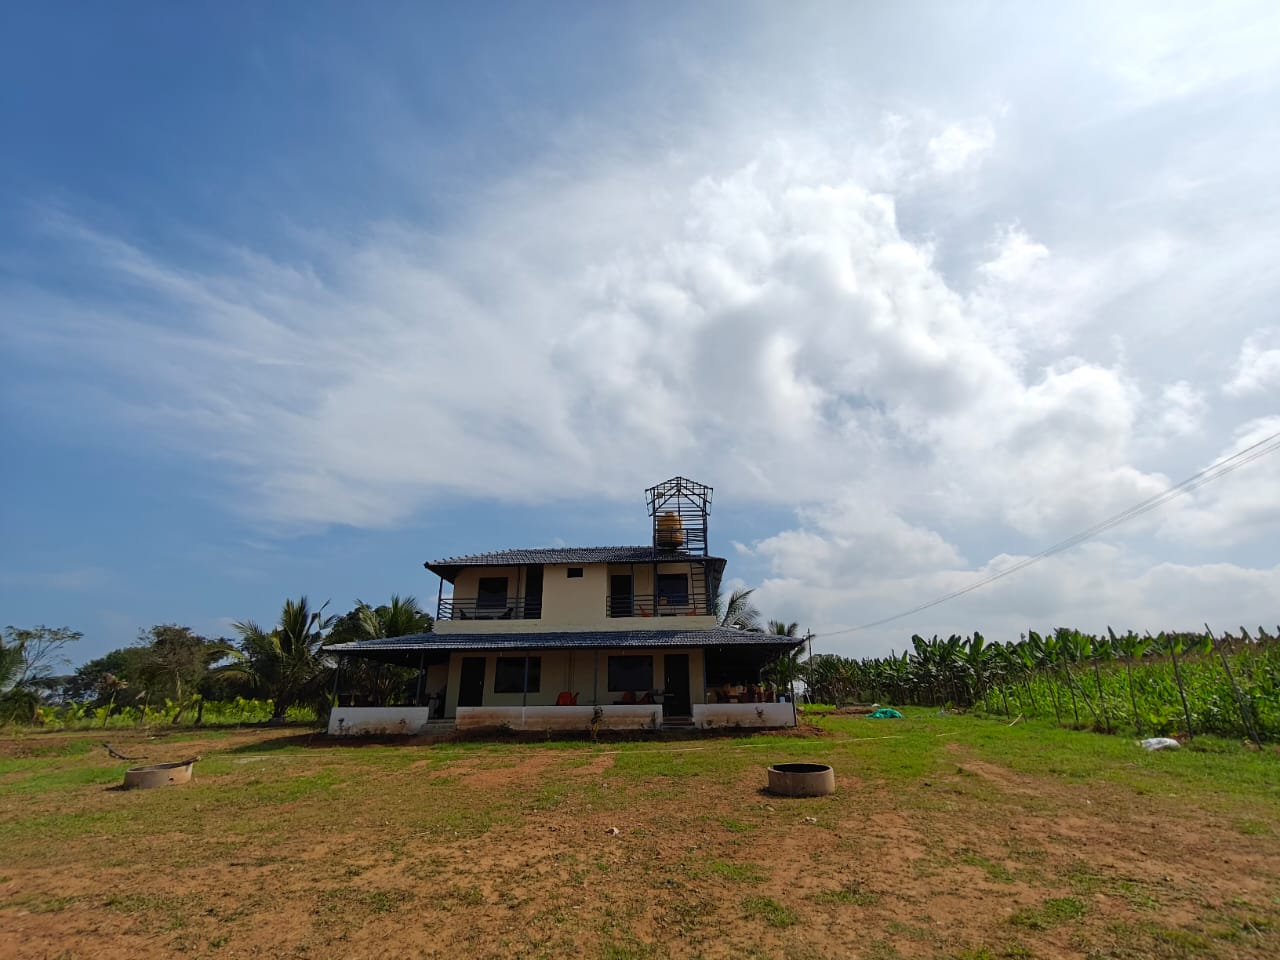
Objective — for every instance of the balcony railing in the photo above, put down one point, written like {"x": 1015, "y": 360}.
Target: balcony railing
{"x": 488, "y": 608}
{"x": 647, "y": 605}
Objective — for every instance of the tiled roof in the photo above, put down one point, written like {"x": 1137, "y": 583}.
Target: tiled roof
{"x": 449, "y": 567}
{"x": 642, "y": 554}
{"x": 561, "y": 640}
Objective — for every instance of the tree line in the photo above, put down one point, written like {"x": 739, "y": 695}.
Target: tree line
{"x": 172, "y": 665}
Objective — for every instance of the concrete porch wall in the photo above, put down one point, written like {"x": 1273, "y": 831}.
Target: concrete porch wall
{"x": 627, "y": 717}
{"x": 363, "y": 721}
{"x": 712, "y": 715}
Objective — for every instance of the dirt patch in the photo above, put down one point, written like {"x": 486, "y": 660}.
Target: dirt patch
{"x": 364, "y": 852}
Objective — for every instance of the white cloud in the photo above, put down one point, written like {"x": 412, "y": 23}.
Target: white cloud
{"x": 1090, "y": 588}
{"x": 958, "y": 147}
{"x": 1184, "y": 409}
{"x": 1258, "y": 369}
{"x": 940, "y": 321}
{"x": 1242, "y": 506}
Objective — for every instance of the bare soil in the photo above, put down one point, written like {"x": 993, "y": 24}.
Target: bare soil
{"x": 512, "y": 851}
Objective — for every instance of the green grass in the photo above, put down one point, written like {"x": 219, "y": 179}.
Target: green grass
{"x": 853, "y": 895}
{"x": 770, "y": 911}
{"x": 737, "y": 872}
{"x": 374, "y": 835}
{"x": 1052, "y": 913}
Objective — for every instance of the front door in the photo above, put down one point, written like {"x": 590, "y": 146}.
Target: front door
{"x": 675, "y": 684}
{"x": 471, "y": 683}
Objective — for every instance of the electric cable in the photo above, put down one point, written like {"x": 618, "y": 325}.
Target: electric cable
{"x": 1209, "y": 474}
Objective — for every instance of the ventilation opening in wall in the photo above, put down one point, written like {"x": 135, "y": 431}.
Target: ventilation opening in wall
{"x": 575, "y": 572}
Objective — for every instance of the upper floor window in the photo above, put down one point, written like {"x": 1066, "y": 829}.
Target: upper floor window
{"x": 491, "y": 597}
{"x": 673, "y": 590}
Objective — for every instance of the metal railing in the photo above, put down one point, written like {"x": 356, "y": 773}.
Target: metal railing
{"x": 647, "y": 605}
{"x": 487, "y": 608}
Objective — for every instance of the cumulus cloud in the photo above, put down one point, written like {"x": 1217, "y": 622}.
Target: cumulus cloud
{"x": 937, "y": 328}
{"x": 1243, "y": 506}
{"x": 1258, "y": 369}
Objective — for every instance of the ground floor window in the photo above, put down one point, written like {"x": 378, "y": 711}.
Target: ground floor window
{"x": 510, "y": 675}
{"x": 630, "y": 673}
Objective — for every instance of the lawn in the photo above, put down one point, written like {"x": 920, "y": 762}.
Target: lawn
{"x": 947, "y": 837}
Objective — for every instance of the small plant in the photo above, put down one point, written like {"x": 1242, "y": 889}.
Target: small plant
{"x": 1052, "y": 913}
{"x": 770, "y": 911}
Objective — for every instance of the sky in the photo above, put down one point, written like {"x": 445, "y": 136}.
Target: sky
{"x": 296, "y": 296}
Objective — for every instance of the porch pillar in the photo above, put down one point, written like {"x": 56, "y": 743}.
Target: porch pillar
{"x": 422, "y": 661}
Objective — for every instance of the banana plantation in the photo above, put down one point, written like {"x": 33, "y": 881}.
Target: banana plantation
{"x": 1184, "y": 683}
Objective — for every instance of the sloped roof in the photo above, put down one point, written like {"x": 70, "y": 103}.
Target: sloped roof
{"x": 451, "y": 566}
{"x": 562, "y": 640}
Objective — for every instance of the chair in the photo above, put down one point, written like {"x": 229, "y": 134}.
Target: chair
{"x": 628, "y": 697}
{"x": 567, "y": 699}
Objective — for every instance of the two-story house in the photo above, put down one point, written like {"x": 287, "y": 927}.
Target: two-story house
{"x": 582, "y": 638}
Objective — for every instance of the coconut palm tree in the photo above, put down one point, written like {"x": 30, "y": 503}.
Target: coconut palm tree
{"x": 285, "y": 663}
{"x": 400, "y": 618}
{"x": 780, "y": 629}
{"x": 738, "y": 611}
{"x": 17, "y": 700}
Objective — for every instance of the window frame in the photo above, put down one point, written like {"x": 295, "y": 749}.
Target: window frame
{"x": 506, "y": 667}
{"x": 609, "y": 672}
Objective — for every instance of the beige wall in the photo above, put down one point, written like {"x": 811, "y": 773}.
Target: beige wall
{"x": 574, "y": 602}
{"x": 578, "y": 603}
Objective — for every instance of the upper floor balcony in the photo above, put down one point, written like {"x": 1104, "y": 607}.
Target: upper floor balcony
{"x": 488, "y": 608}
{"x": 683, "y": 604}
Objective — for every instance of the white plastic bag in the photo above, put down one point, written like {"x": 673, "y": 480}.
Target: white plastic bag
{"x": 1160, "y": 743}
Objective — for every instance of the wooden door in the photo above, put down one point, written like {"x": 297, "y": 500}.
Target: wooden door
{"x": 675, "y": 684}
{"x": 471, "y": 683}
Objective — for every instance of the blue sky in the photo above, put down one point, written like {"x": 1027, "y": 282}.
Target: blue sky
{"x": 294, "y": 297}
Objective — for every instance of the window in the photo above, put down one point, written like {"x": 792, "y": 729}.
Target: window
{"x": 630, "y": 673}
{"x": 509, "y": 677}
{"x": 491, "y": 597}
{"x": 673, "y": 590}
{"x": 575, "y": 573}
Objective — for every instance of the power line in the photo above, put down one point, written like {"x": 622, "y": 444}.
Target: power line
{"x": 1214, "y": 472}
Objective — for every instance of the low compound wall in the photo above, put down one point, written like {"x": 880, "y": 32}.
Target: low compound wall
{"x": 366, "y": 721}
{"x": 560, "y": 718}
{"x": 710, "y": 716}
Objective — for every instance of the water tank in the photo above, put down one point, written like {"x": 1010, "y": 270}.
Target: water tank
{"x": 668, "y": 532}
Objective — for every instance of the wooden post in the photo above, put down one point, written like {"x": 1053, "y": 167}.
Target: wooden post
{"x": 422, "y": 661}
